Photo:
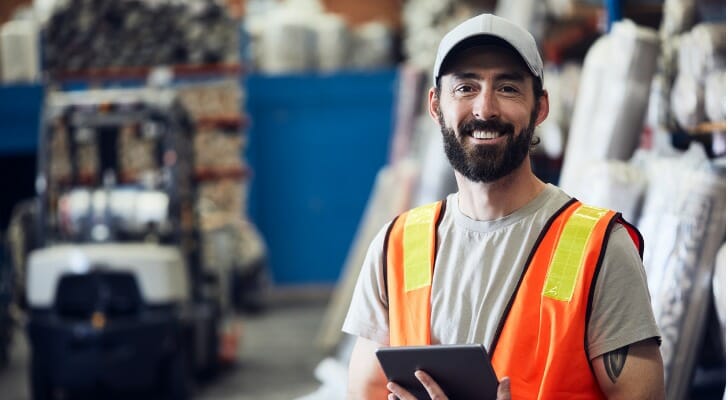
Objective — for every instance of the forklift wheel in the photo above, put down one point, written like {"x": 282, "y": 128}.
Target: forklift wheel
{"x": 176, "y": 381}
{"x": 40, "y": 388}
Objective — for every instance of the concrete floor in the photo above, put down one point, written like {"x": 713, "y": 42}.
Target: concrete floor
{"x": 276, "y": 357}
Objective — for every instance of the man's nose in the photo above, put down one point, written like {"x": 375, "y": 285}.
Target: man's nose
{"x": 485, "y": 105}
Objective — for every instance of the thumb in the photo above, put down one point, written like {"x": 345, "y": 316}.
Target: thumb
{"x": 504, "y": 389}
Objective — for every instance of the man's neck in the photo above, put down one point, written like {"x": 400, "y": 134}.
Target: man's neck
{"x": 488, "y": 201}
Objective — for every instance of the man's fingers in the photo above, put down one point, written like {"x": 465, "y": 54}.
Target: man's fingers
{"x": 504, "y": 389}
{"x": 433, "y": 389}
{"x": 398, "y": 392}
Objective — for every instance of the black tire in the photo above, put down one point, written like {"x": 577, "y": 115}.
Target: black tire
{"x": 176, "y": 381}
{"x": 250, "y": 287}
{"x": 40, "y": 387}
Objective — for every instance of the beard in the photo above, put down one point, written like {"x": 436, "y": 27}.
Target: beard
{"x": 486, "y": 163}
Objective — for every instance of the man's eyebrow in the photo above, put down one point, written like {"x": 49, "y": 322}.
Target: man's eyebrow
{"x": 466, "y": 75}
{"x": 511, "y": 76}
{"x": 504, "y": 76}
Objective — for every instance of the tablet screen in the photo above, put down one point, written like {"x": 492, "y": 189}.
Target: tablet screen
{"x": 463, "y": 371}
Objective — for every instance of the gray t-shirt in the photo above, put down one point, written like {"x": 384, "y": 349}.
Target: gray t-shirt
{"x": 477, "y": 269}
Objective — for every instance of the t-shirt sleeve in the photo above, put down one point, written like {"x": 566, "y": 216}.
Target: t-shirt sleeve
{"x": 621, "y": 312}
{"x": 368, "y": 314}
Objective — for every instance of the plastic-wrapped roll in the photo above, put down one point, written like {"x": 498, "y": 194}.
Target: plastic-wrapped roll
{"x": 715, "y": 104}
{"x": 288, "y": 44}
{"x": 373, "y": 46}
{"x": 719, "y": 289}
{"x": 658, "y": 106}
{"x": 678, "y": 16}
{"x": 333, "y": 42}
{"x": 612, "y": 100}
{"x": 708, "y": 49}
{"x": 85, "y": 34}
{"x": 683, "y": 224}
{"x": 427, "y": 21}
{"x": 436, "y": 179}
{"x": 702, "y": 50}
{"x": 686, "y": 101}
{"x": 616, "y": 185}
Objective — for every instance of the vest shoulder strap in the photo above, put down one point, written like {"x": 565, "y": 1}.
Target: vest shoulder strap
{"x": 408, "y": 260}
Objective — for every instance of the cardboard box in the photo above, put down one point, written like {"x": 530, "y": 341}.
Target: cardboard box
{"x": 8, "y": 7}
{"x": 357, "y": 12}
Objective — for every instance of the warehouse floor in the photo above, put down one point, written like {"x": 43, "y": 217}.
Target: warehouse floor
{"x": 276, "y": 356}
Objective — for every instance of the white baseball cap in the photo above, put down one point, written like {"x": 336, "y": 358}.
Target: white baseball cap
{"x": 485, "y": 25}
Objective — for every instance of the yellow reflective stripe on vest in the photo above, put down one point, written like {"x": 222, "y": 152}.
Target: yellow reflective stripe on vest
{"x": 418, "y": 247}
{"x": 568, "y": 258}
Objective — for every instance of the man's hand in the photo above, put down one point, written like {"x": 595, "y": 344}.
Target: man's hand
{"x": 436, "y": 393}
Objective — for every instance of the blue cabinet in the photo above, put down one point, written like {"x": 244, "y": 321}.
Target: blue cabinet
{"x": 315, "y": 145}
{"x": 20, "y": 115}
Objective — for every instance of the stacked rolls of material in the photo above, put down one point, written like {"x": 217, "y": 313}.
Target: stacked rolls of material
{"x": 84, "y": 34}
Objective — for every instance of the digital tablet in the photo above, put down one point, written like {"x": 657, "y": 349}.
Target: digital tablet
{"x": 463, "y": 371}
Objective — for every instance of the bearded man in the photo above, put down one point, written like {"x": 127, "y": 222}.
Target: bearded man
{"x": 553, "y": 288}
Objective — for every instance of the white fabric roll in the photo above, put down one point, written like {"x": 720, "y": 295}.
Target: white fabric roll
{"x": 719, "y": 289}
{"x": 333, "y": 42}
{"x": 686, "y": 101}
{"x": 373, "y": 46}
{"x": 678, "y": 16}
{"x": 19, "y": 51}
{"x": 616, "y": 185}
{"x": 288, "y": 44}
{"x": 436, "y": 178}
{"x": 715, "y": 104}
{"x": 683, "y": 224}
{"x": 612, "y": 101}
{"x": 702, "y": 50}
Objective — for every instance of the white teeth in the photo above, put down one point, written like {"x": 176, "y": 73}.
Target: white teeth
{"x": 485, "y": 135}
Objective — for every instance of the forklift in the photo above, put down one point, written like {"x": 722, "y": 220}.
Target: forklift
{"x": 118, "y": 303}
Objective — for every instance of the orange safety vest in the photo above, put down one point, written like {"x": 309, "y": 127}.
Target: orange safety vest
{"x": 541, "y": 341}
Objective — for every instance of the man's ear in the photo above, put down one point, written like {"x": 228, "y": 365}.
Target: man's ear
{"x": 543, "y": 110}
{"x": 434, "y": 105}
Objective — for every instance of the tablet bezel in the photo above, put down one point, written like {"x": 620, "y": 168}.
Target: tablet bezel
{"x": 463, "y": 371}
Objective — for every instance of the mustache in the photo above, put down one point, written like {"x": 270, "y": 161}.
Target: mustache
{"x": 470, "y": 126}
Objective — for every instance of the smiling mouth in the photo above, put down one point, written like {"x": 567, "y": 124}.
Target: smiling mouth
{"x": 486, "y": 135}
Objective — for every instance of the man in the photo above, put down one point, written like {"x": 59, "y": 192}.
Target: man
{"x": 554, "y": 289}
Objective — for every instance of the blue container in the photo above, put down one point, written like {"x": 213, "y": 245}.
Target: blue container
{"x": 20, "y": 115}
{"x": 316, "y": 144}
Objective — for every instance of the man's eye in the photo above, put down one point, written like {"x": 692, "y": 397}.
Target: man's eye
{"x": 509, "y": 89}
{"x": 464, "y": 89}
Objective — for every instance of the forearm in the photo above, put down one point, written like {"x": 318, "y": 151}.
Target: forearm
{"x": 366, "y": 380}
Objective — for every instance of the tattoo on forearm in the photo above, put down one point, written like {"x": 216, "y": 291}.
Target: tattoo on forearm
{"x": 614, "y": 362}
